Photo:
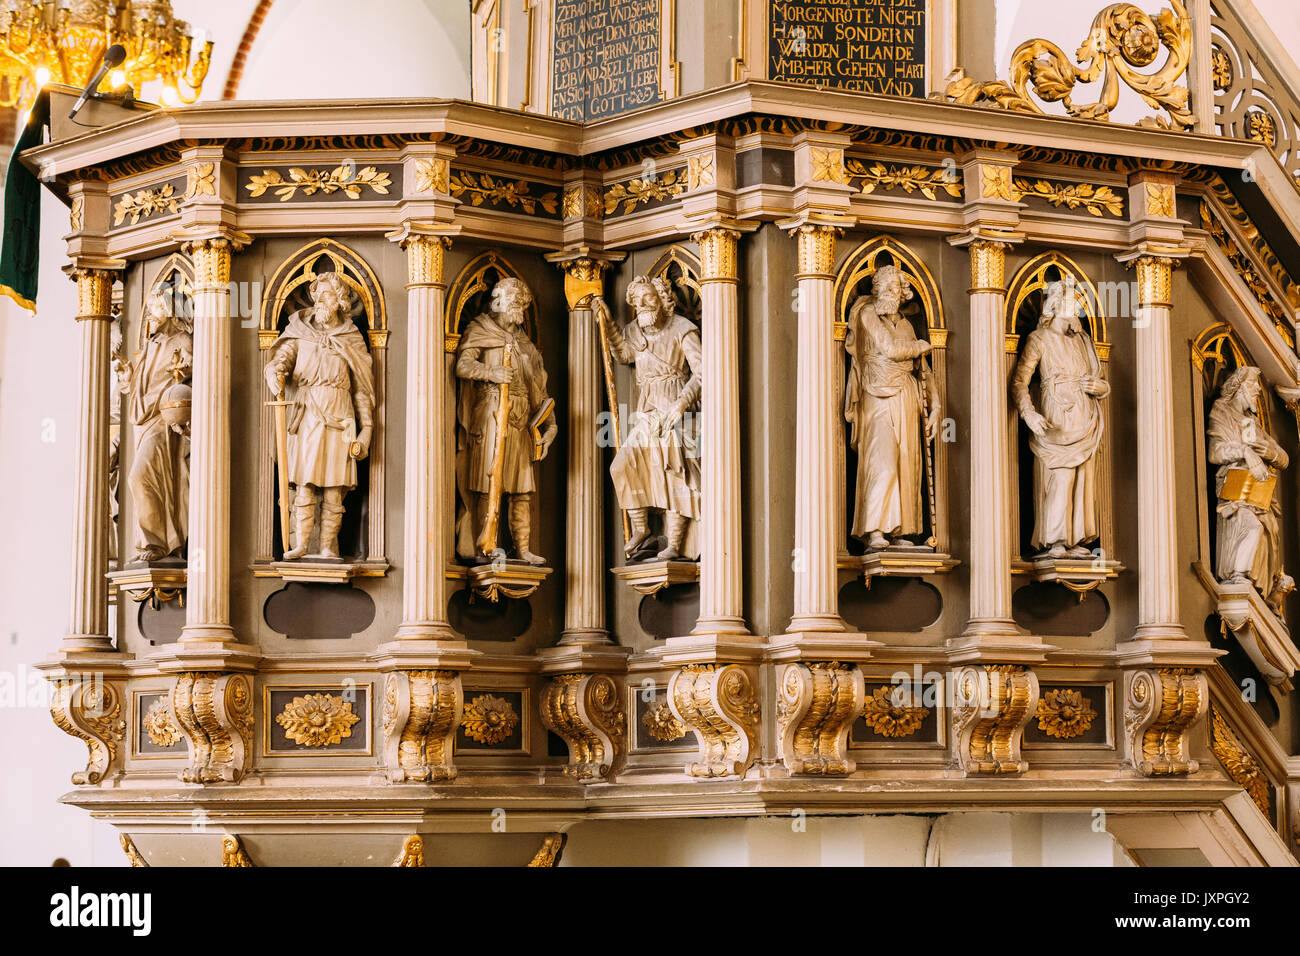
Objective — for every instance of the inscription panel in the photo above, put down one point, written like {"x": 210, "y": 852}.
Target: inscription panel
{"x": 868, "y": 46}
{"x": 605, "y": 57}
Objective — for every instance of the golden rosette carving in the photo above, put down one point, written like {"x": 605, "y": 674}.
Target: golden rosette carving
{"x": 887, "y": 714}
{"x": 317, "y": 720}
{"x": 660, "y": 723}
{"x": 159, "y": 726}
{"x": 432, "y": 175}
{"x": 489, "y": 719}
{"x": 1064, "y": 713}
{"x": 828, "y": 165}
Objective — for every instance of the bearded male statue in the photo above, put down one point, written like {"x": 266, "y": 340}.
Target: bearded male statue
{"x": 496, "y": 360}
{"x": 1067, "y": 426}
{"x": 323, "y": 355}
{"x": 159, "y": 479}
{"x": 1249, "y": 540}
{"x": 885, "y": 403}
{"x": 658, "y": 466}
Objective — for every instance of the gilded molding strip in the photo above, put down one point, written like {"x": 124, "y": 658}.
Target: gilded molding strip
{"x": 492, "y": 191}
{"x": 1245, "y": 267}
{"x": 1242, "y": 767}
{"x": 1122, "y": 39}
{"x": 926, "y": 180}
{"x": 317, "y": 720}
{"x": 346, "y": 179}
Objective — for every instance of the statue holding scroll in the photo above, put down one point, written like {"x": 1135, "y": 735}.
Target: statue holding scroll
{"x": 159, "y": 406}
{"x": 891, "y": 403}
{"x": 331, "y": 420}
{"x": 1249, "y": 546}
{"x": 505, "y": 422}
{"x": 1067, "y": 425}
{"x": 658, "y": 467}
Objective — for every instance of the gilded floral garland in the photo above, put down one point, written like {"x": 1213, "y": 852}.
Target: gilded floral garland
{"x": 649, "y": 189}
{"x": 1242, "y": 768}
{"x": 923, "y": 179}
{"x": 145, "y": 203}
{"x": 482, "y": 188}
{"x": 317, "y": 720}
{"x": 1064, "y": 713}
{"x": 342, "y": 178}
{"x": 1095, "y": 200}
{"x": 890, "y": 719}
{"x": 489, "y": 719}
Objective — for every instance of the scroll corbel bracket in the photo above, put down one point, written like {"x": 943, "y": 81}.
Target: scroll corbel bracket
{"x": 816, "y": 706}
{"x": 214, "y": 712}
{"x": 719, "y": 703}
{"x": 1160, "y": 708}
{"x": 90, "y": 708}
{"x": 422, "y": 709}
{"x": 586, "y": 711}
{"x": 993, "y": 705}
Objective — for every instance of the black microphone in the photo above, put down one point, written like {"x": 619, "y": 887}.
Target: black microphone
{"x": 113, "y": 57}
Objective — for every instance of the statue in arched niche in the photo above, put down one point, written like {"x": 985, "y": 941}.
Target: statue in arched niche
{"x": 1249, "y": 545}
{"x": 324, "y": 356}
{"x": 505, "y": 422}
{"x": 159, "y": 411}
{"x": 1067, "y": 424}
{"x": 891, "y": 403}
{"x": 658, "y": 467}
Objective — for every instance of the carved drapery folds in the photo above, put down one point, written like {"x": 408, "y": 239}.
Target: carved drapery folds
{"x": 816, "y": 706}
{"x": 1160, "y": 707}
{"x": 214, "y": 712}
{"x": 992, "y": 706}
{"x": 422, "y": 709}
{"x": 719, "y": 703}
{"x": 90, "y": 709}
{"x": 1123, "y": 39}
{"x": 586, "y": 711}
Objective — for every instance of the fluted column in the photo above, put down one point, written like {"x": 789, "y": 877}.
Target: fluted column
{"x": 584, "y": 575}
{"x": 815, "y": 592}
{"x": 428, "y": 472}
{"x": 721, "y": 588}
{"x": 88, "y": 609}
{"x": 1157, "y": 505}
{"x": 207, "y": 598}
{"x": 990, "y": 544}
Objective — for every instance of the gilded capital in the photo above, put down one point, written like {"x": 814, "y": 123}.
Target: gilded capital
{"x": 988, "y": 264}
{"x": 94, "y": 293}
{"x": 425, "y": 256}
{"x": 816, "y": 249}
{"x": 1155, "y": 277}
{"x": 211, "y": 259}
{"x": 717, "y": 254}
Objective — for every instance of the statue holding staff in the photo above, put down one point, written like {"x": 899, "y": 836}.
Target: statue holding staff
{"x": 324, "y": 356}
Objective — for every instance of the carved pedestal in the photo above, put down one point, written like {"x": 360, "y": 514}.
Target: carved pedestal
{"x": 817, "y": 704}
{"x": 992, "y": 705}
{"x": 719, "y": 703}
{"x": 587, "y": 711}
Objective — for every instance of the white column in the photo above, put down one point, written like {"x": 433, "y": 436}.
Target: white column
{"x": 426, "y": 541}
{"x": 1157, "y": 507}
{"x": 990, "y": 544}
{"x": 721, "y": 584}
{"x": 584, "y": 574}
{"x": 207, "y": 595}
{"x": 88, "y": 609}
{"x": 816, "y": 606}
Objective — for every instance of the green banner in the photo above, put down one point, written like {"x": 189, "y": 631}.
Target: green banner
{"x": 20, "y": 247}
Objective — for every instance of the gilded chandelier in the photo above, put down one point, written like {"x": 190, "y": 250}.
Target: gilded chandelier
{"x": 61, "y": 41}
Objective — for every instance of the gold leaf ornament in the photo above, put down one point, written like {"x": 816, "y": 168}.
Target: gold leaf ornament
{"x": 910, "y": 179}
{"x": 1064, "y": 713}
{"x": 202, "y": 180}
{"x": 159, "y": 726}
{"x": 145, "y": 203}
{"x": 346, "y": 178}
{"x": 661, "y": 724}
{"x": 317, "y": 720}
{"x": 648, "y": 189}
{"x": 485, "y": 188}
{"x": 489, "y": 719}
{"x": 890, "y": 712}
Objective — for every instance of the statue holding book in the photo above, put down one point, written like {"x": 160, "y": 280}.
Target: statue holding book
{"x": 1249, "y": 545}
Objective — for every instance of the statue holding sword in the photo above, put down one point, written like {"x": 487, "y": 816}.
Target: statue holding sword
{"x": 326, "y": 428}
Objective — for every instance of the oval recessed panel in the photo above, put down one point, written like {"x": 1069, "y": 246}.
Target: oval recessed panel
{"x": 670, "y": 612}
{"x": 482, "y": 620}
{"x": 319, "y": 611}
{"x": 1055, "y": 610}
{"x": 890, "y": 604}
